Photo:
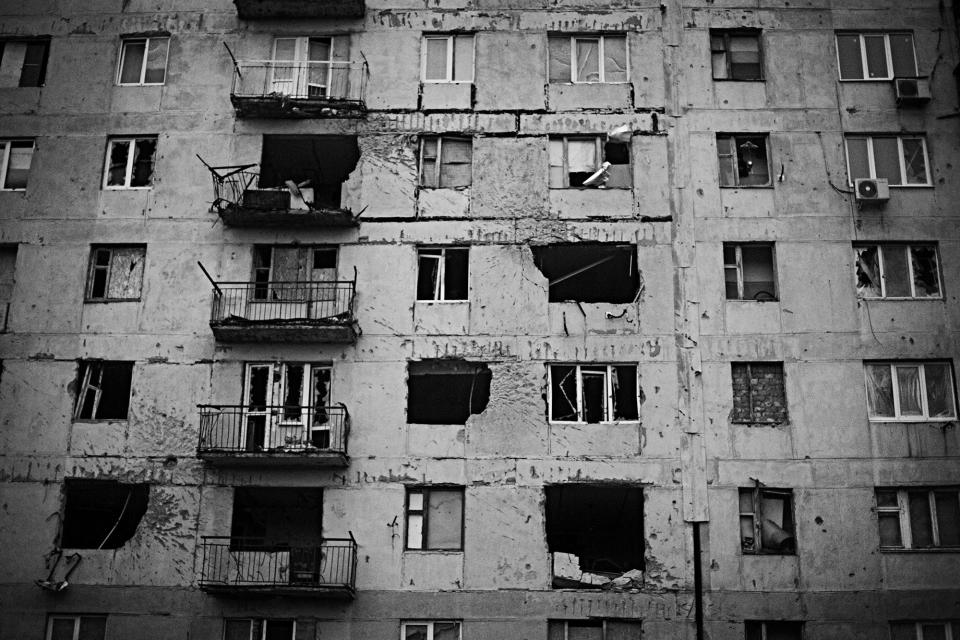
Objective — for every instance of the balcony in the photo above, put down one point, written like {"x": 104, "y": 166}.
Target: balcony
{"x": 298, "y": 89}
{"x": 284, "y": 312}
{"x": 324, "y": 568}
{"x": 257, "y": 9}
{"x": 274, "y": 436}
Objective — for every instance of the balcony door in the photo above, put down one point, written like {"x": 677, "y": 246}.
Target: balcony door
{"x": 308, "y": 67}
{"x": 286, "y": 406}
{"x": 301, "y": 279}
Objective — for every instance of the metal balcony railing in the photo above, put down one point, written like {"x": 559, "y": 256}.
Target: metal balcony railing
{"x": 252, "y": 564}
{"x": 322, "y": 303}
{"x": 334, "y": 84}
{"x": 274, "y": 429}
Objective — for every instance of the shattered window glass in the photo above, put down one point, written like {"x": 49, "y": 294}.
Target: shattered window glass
{"x": 766, "y": 520}
{"x": 919, "y": 518}
{"x": 116, "y": 273}
{"x": 587, "y": 59}
{"x": 130, "y": 162}
{"x": 911, "y": 390}
{"x": 897, "y": 271}
{"x": 104, "y": 391}
{"x": 868, "y": 272}
{"x": 593, "y": 393}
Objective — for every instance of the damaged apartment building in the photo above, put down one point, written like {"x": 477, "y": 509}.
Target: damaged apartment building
{"x": 479, "y": 319}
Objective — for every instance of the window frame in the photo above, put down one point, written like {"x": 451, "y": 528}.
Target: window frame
{"x": 450, "y": 61}
{"x": 609, "y": 396}
{"x": 6, "y": 149}
{"x": 88, "y": 368}
{"x": 146, "y": 40}
{"x": 430, "y": 627}
{"x": 77, "y": 621}
{"x": 603, "y": 624}
{"x": 871, "y": 158}
{"x": 441, "y": 279}
{"x": 601, "y": 39}
{"x": 738, "y": 265}
{"x": 424, "y": 491}
{"x": 131, "y": 156}
{"x": 768, "y": 157}
{"x": 726, "y": 35}
{"x": 260, "y": 624}
{"x": 921, "y": 381}
{"x": 888, "y": 55}
{"x": 908, "y": 247}
{"x": 902, "y": 510}
{"x": 600, "y": 142}
{"x": 763, "y": 627}
{"x": 951, "y": 627}
{"x": 757, "y": 516}
{"x": 93, "y": 268}
{"x": 42, "y": 71}
{"x": 438, "y": 161}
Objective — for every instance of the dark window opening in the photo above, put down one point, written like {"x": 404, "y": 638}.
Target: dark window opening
{"x": 258, "y": 629}
{"x": 266, "y": 518}
{"x": 101, "y": 514}
{"x": 593, "y": 393}
{"x": 589, "y": 272}
{"x": 23, "y": 63}
{"x": 736, "y": 54}
{"x": 766, "y": 521}
{"x": 104, "y": 390}
{"x": 779, "y": 630}
{"x": 442, "y": 273}
{"x": 320, "y": 163}
{"x": 759, "y": 393}
{"x": 67, "y": 627}
{"x": 748, "y": 271}
{"x": 595, "y": 534}
{"x": 446, "y": 391}
{"x": 590, "y": 162}
{"x": 743, "y": 160}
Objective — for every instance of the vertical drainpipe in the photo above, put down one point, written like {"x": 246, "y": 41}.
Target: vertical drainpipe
{"x": 697, "y": 581}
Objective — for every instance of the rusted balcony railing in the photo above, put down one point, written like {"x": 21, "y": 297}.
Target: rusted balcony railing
{"x": 250, "y": 565}
{"x": 298, "y": 89}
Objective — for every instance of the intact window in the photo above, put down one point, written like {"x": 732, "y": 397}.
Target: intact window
{"x": 101, "y": 514}
{"x": 116, "y": 273}
{"x": 442, "y": 273}
{"x": 447, "y": 58}
{"x": 766, "y": 521}
{"x": 15, "y": 159}
{"x": 773, "y": 630}
{"x": 897, "y": 271}
{"x": 259, "y": 629}
{"x": 574, "y": 160}
{"x": 589, "y": 272}
{"x": 759, "y": 393}
{"x": 311, "y": 67}
{"x": 130, "y": 162}
{"x": 446, "y": 391}
{"x": 143, "y": 61}
{"x": 61, "y": 627}
{"x": 743, "y": 160}
{"x": 919, "y": 518}
{"x": 593, "y": 629}
{"x": 748, "y": 270}
{"x": 910, "y": 391}
{"x": 435, "y": 518}
{"x": 23, "y": 63}
{"x": 588, "y": 58}
{"x": 901, "y": 160}
{"x": 736, "y": 54}
{"x": 430, "y": 630}
{"x": 104, "y": 392}
{"x": 925, "y": 630}
{"x": 876, "y": 56}
{"x": 446, "y": 162}
{"x": 593, "y": 393}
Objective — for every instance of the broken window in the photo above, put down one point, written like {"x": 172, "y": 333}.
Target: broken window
{"x": 919, "y": 518}
{"x": 446, "y": 391}
{"x": 276, "y": 518}
{"x": 101, "y": 514}
{"x": 748, "y": 270}
{"x": 588, "y": 58}
{"x": 430, "y": 630}
{"x": 317, "y": 165}
{"x": 736, "y": 54}
{"x": 447, "y": 57}
{"x": 594, "y": 629}
{"x": 16, "y": 157}
{"x": 60, "y": 627}
{"x": 585, "y": 272}
{"x": 759, "y": 393}
{"x": 589, "y": 162}
{"x": 116, "y": 273}
{"x": 766, "y": 520}
{"x": 910, "y": 390}
{"x": 286, "y": 405}
{"x": 897, "y": 271}
{"x": 8, "y": 265}
{"x": 743, "y": 160}
{"x": 925, "y": 630}
{"x": 104, "y": 392}
{"x": 876, "y": 56}
{"x": 130, "y": 162}
{"x": 773, "y": 630}
{"x": 305, "y": 67}
{"x": 900, "y": 160}
{"x": 23, "y": 63}
{"x": 445, "y": 162}
{"x": 593, "y": 393}
{"x": 435, "y": 518}
{"x": 442, "y": 273}
{"x": 259, "y": 629}
{"x": 143, "y": 61}
{"x": 595, "y": 534}
{"x": 278, "y": 272}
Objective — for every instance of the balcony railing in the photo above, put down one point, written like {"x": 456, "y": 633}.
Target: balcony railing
{"x": 299, "y": 89}
{"x": 294, "y": 311}
{"x": 324, "y": 568}
{"x": 255, "y": 9}
{"x": 274, "y": 435}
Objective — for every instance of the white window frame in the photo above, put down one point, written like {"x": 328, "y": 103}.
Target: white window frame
{"x": 910, "y": 276}
{"x": 76, "y": 623}
{"x": 903, "y": 511}
{"x": 600, "y": 143}
{"x": 6, "y": 148}
{"x": 948, "y": 626}
{"x": 449, "y": 38}
{"x": 607, "y": 390}
{"x": 738, "y": 265}
{"x": 601, "y": 51}
{"x": 300, "y": 65}
{"x": 128, "y": 171}
{"x": 871, "y": 159}
{"x": 261, "y": 623}
{"x": 143, "y": 65}
{"x": 429, "y": 624}
{"x": 768, "y": 157}
{"x": 924, "y": 401}
{"x": 863, "y": 54}
{"x": 440, "y": 285}
{"x": 94, "y": 267}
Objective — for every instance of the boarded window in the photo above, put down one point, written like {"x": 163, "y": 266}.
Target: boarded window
{"x": 759, "y": 393}
{"x": 586, "y": 272}
{"x": 909, "y": 390}
{"x": 748, "y": 270}
{"x": 104, "y": 392}
{"x": 442, "y": 273}
{"x": 766, "y": 521}
{"x": 743, "y": 160}
{"x": 101, "y": 514}
{"x": 593, "y": 393}
{"x": 897, "y": 271}
{"x": 446, "y": 391}
{"x": 736, "y": 54}
{"x": 592, "y": 162}
{"x": 588, "y": 58}
{"x": 116, "y": 273}
{"x": 319, "y": 162}
{"x": 448, "y": 58}
{"x": 919, "y": 518}
{"x": 446, "y": 162}
{"x": 16, "y": 156}
{"x": 900, "y": 160}
{"x": 23, "y": 63}
{"x": 864, "y": 56}
{"x": 61, "y": 627}
{"x": 435, "y": 518}
{"x": 143, "y": 61}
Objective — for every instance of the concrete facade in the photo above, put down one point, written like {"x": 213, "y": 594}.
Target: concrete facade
{"x": 681, "y": 331}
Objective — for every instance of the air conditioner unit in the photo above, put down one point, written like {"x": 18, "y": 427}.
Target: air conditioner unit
{"x": 911, "y": 90}
{"x": 871, "y": 190}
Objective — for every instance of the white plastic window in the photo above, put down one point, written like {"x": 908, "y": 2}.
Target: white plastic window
{"x": 895, "y": 271}
{"x": 143, "y": 61}
{"x": 588, "y": 58}
{"x": 447, "y": 58}
{"x": 876, "y": 56}
{"x": 901, "y": 160}
{"x": 130, "y": 163}
{"x": 905, "y": 391}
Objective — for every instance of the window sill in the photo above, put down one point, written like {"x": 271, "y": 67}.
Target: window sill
{"x": 114, "y": 188}
{"x": 4, "y": 190}
{"x": 911, "y": 419}
{"x": 108, "y": 300}
{"x": 739, "y": 80}
{"x": 890, "y": 79}
{"x": 446, "y": 82}
{"x": 765, "y": 300}
{"x": 741, "y": 186}
{"x": 629, "y": 421}
{"x": 592, "y": 188}
{"x": 424, "y": 187}
{"x": 442, "y": 301}
{"x": 99, "y": 420}
{"x": 898, "y": 186}
{"x": 769, "y": 554}
{"x": 923, "y": 550}
{"x": 754, "y": 423}
{"x": 445, "y": 552}
{"x": 140, "y": 84}
{"x": 572, "y": 83}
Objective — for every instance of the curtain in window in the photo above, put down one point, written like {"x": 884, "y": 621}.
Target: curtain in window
{"x": 908, "y": 387}
{"x": 879, "y": 390}
{"x": 939, "y": 390}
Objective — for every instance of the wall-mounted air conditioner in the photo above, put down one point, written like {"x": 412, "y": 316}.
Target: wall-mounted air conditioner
{"x": 911, "y": 91}
{"x": 871, "y": 190}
